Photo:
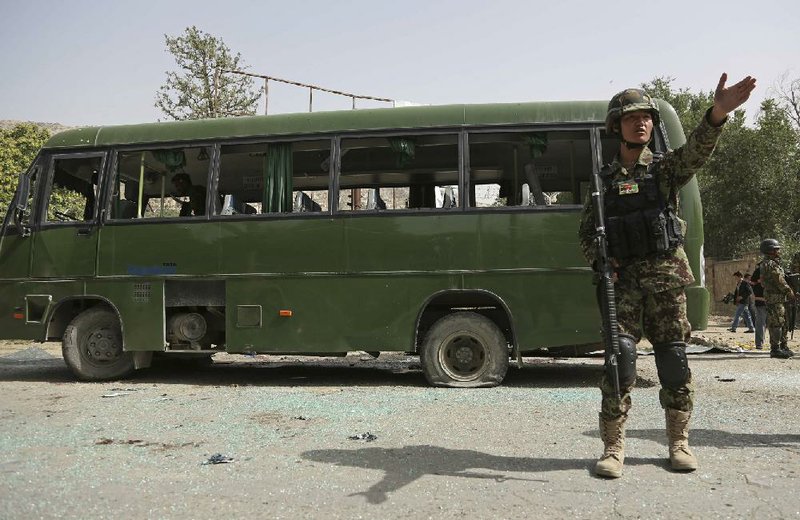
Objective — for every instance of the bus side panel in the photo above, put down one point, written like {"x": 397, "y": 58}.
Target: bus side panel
{"x": 140, "y": 304}
{"x": 548, "y": 308}
{"x": 697, "y": 296}
{"x": 328, "y": 314}
{"x": 159, "y": 249}
{"x": 530, "y": 259}
{"x": 15, "y": 256}
{"x": 64, "y": 252}
{"x": 292, "y": 246}
{"x": 34, "y": 303}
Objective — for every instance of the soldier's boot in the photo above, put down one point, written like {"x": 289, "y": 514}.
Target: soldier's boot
{"x": 786, "y": 350}
{"x": 681, "y": 457}
{"x": 612, "y": 431}
{"x": 775, "y": 349}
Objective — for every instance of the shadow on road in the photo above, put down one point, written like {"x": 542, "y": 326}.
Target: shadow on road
{"x": 402, "y": 466}
{"x": 717, "y": 438}
{"x": 307, "y": 372}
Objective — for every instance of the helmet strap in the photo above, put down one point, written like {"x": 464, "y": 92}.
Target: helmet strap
{"x": 633, "y": 146}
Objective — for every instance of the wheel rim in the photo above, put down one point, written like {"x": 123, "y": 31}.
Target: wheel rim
{"x": 463, "y": 356}
{"x": 102, "y": 346}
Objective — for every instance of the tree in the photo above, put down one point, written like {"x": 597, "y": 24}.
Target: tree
{"x": 788, "y": 96}
{"x": 689, "y": 106}
{"x": 204, "y": 89}
{"x": 751, "y": 185}
{"x": 18, "y": 148}
{"x": 751, "y": 188}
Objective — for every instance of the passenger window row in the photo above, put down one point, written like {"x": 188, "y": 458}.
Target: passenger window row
{"x": 377, "y": 173}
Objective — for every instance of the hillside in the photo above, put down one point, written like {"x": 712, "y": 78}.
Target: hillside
{"x": 6, "y": 124}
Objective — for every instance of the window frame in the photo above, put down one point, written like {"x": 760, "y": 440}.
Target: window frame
{"x": 266, "y": 141}
{"x": 458, "y": 132}
{"x": 582, "y": 126}
{"x": 113, "y": 173}
{"x": 45, "y": 189}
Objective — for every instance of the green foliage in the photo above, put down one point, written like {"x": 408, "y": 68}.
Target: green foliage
{"x": 751, "y": 190}
{"x": 18, "y": 148}
{"x": 690, "y": 106}
{"x": 204, "y": 89}
{"x": 751, "y": 185}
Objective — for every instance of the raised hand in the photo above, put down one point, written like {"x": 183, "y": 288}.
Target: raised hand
{"x": 728, "y": 99}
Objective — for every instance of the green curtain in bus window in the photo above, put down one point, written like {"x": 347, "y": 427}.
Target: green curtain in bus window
{"x": 403, "y": 149}
{"x": 537, "y": 144}
{"x": 172, "y": 159}
{"x": 278, "y": 179}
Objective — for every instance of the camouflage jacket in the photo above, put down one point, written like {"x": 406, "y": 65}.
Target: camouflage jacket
{"x": 677, "y": 167}
{"x": 773, "y": 278}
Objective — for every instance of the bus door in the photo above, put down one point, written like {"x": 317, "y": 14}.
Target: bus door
{"x": 15, "y": 242}
{"x": 65, "y": 241}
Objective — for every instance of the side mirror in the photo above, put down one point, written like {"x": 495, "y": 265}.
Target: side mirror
{"x": 20, "y": 204}
{"x": 23, "y": 191}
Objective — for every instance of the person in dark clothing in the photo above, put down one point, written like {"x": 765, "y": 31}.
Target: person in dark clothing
{"x": 197, "y": 195}
{"x": 742, "y": 293}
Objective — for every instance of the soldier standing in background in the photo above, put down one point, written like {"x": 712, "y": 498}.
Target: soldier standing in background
{"x": 640, "y": 193}
{"x": 777, "y": 293}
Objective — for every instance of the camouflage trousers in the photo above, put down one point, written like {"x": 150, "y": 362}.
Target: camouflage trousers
{"x": 662, "y": 318}
{"x": 776, "y": 315}
{"x": 776, "y": 319}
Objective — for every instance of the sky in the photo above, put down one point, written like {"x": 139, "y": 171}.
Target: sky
{"x": 86, "y": 62}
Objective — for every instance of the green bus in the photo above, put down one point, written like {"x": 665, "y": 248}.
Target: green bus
{"x": 444, "y": 231}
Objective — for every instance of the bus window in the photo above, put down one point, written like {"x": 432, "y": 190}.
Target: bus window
{"x": 74, "y": 189}
{"x": 274, "y": 178}
{"x": 162, "y": 183}
{"x": 528, "y": 168}
{"x": 399, "y": 172}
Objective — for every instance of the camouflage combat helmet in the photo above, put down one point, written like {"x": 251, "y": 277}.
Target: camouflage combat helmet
{"x": 629, "y": 100}
{"x": 768, "y": 245}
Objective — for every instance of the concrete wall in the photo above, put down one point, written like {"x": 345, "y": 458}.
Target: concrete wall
{"x": 720, "y": 280}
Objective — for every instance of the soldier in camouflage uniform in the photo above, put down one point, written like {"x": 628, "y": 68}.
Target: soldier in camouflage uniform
{"x": 650, "y": 279}
{"x": 777, "y": 293}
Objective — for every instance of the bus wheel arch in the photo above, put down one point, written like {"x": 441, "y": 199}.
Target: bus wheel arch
{"x": 92, "y": 345}
{"x": 463, "y": 337}
{"x": 69, "y": 308}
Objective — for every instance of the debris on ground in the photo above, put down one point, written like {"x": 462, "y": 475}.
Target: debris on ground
{"x": 218, "y": 458}
{"x": 366, "y": 436}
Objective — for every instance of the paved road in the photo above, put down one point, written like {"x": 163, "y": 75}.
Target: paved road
{"x": 136, "y": 448}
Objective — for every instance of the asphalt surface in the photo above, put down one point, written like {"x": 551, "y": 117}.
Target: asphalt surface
{"x": 282, "y": 428}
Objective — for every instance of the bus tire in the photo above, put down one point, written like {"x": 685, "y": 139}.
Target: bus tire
{"x": 92, "y": 346}
{"x": 464, "y": 350}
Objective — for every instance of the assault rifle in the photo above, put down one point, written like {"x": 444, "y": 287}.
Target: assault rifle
{"x": 608, "y": 304}
{"x": 793, "y": 280}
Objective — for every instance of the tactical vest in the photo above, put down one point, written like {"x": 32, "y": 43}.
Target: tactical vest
{"x": 639, "y": 221}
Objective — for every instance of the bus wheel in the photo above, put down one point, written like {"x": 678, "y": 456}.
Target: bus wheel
{"x": 92, "y": 346}
{"x": 465, "y": 350}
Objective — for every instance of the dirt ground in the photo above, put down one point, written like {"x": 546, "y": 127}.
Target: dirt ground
{"x": 357, "y": 437}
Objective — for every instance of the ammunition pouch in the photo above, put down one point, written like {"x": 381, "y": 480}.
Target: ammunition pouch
{"x": 672, "y": 365}
{"x": 644, "y": 233}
